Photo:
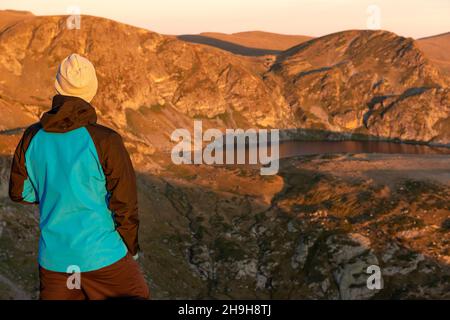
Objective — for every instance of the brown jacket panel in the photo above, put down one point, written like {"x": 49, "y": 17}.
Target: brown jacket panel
{"x": 18, "y": 169}
{"x": 120, "y": 182}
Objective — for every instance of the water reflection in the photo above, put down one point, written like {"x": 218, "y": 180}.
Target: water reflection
{"x": 298, "y": 148}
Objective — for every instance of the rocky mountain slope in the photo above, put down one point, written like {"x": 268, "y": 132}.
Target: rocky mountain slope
{"x": 371, "y": 83}
{"x": 365, "y": 82}
{"x": 167, "y": 80}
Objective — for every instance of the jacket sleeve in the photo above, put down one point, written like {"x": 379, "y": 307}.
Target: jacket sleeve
{"x": 20, "y": 187}
{"x": 121, "y": 186}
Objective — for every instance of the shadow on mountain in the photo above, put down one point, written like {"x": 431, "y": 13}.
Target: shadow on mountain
{"x": 228, "y": 46}
{"x": 200, "y": 242}
{"x": 206, "y": 242}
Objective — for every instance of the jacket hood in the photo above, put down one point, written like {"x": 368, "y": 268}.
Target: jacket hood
{"x": 68, "y": 113}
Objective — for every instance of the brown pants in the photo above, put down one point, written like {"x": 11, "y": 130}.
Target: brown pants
{"x": 121, "y": 280}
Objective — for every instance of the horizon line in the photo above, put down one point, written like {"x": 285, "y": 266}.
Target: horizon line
{"x": 221, "y": 32}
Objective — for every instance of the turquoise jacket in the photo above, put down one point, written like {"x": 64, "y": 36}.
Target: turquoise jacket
{"x": 81, "y": 176}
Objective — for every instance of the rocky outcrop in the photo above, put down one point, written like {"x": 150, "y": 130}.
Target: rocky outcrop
{"x": 371, "y": 83}
{"x": 416, "y": 115}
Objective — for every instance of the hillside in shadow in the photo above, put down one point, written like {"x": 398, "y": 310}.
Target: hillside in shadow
{"x": 228, "y": 46}
{"x": 310, "y": 236}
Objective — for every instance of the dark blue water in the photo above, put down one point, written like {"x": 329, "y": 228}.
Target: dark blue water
{"x": 298, "y": 148}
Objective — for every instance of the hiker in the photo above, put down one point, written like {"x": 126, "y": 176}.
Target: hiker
{"x": 81, "y": 175}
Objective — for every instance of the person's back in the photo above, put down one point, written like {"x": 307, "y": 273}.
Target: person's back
{"x": 80, "y": 174}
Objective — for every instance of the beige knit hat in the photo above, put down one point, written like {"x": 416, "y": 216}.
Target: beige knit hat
{"x": 76, "y": 77}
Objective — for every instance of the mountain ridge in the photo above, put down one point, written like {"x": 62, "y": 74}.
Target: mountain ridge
{"x": 438, "y": 50}
{"x": 193, "y": 80}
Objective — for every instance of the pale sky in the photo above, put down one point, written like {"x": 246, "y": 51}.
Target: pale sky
{"x": 413, "y": 18}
